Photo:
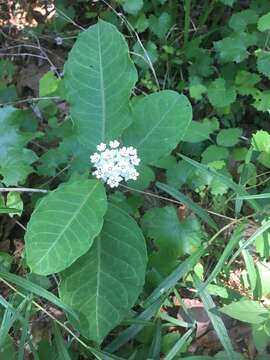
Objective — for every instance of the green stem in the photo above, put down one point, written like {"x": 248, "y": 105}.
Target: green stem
{"x": 187, "y": 7}
{"x": 207, "y": 9}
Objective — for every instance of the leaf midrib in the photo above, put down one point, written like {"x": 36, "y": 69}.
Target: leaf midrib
{"x": 103, "y": 104}
{"x": 66, "y": 226}
{"x": 98, "y": 285}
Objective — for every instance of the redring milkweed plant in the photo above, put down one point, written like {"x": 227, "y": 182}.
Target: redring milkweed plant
{"x": 95, "y": 246}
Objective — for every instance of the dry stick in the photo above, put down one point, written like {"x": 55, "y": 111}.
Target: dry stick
{"x": 23, "y": 190}
{"x": 30, "y": 100}
{"x": 24, "y": 54}
{"x": 68, "y": 19}
{"x": 172, "y": 201}
{"x": 56, "y": 175}
{"x": 22, "y": 45}
{"x": 130, "y": 27}
{"x": 47, "y": 57}
{"x": 123, "y": 186}
{"x": 20, "y": 225}
{"x": 233, "y": 222}
{"x": 43, "y": 55}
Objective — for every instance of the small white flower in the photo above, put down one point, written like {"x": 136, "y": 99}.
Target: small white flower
{"x": 58, "y": 40}
{"x": 101, "y": 147}
{"x": 99, "y": 174}
{"x": 135, "y": 160}
{"x": 114, "y": 144}
{"x": 95, "y": 158}
{"x": 123, "y": 151}
{"x": 131, "y": 151}
{"x": 114, "y": 181}
{"x": 133, "y": 175}
{"x": 109, "y": 168}
{"x": 107, "y": 154}
{"x": 115, "y": 164}
{"x": 123, "y": 167}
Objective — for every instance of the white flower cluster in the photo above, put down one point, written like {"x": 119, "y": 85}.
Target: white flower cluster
{"x": 115, "y": 164}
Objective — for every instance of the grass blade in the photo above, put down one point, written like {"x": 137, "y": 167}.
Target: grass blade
{"x": 102, "y": 355}
{"x": 133, "y": 330}
{"x": 155, "y": 348}
{"x": 189, "y": 203}
{"x": 173, "y": 321}
{"x": 238, "y": 189}
{"x": 234, "y": 240}
{"x": 136, "y": 321}
{"x": 214, "y": 316}
{"x": 244, "y": 178}
{"x": 25, "y": 330}
{"x": 60, "y": 344}
{"x": 14, "y": 311}
{"x": 170, "y": 281}
{"x": 250, "y": 240}
{"x": 257, "y": 196}
{"x": 178, "y": 345}
{"x": 4, "y": 210}
{"x": 8, "y": 319}
{"x": 37, "y": 290}
{"x": 251, "y": 270}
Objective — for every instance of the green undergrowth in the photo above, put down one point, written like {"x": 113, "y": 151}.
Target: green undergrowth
{"x": 102, "y": 271}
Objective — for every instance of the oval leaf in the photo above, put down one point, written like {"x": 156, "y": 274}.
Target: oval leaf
{"x": 99, "y": 76}
{"x": 64, "y": 224}
{"x": 248, "y": 311}
{"x": 160, "y": 122}
{"x": 105, "y": 283}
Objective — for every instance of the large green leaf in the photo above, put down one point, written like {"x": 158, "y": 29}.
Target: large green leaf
{"x": 234, "y": 48}
{"x": 64, "y": 225}
{"x": 261, "y": 141}
{"x": 263, "y": 62}
{"x": 229, "y": 137}
{"x": 240, "y": 20}
{"x": 160, "y": 25}
{"x": 105, "y": 283}
{"x": 132, "y": 7}
{"x": 219, "y": 94}
{"x": 99, "y": 76}
{"x": 15, "y": 158}
{"x": 173, "y": 238}
{"x": 262, "y": 100}
{"x": 264, "y": 22}
{"x": 201, "y": 130}
{"x": 160, "y": 122}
